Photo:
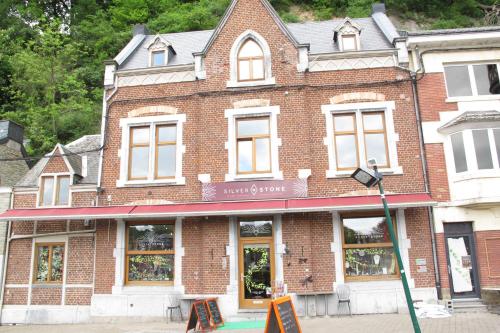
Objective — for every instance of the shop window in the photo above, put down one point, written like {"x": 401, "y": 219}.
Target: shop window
{"x": 54, "y": 191}
{"x": 253, "y": 145}
{"x": 49, "y": 262}
{"x": 472, "y": 80}
{"x": 150, "y": 253}
{"x": 367, "y": 249}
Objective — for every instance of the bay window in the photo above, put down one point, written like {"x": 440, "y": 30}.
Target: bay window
{"x": 367, "y": 249}
{"x": 472, "y": 80}
{"x": 54, "y": 190}
{"x": 150, "y": 253}
{"x": 476, "y": 149}
{"x": 49, "y": 263}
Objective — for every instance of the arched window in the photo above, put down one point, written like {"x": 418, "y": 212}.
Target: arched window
{"x": 250, "y": 62}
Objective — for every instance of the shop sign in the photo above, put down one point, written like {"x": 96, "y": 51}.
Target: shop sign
{"x": 255, "y": 190}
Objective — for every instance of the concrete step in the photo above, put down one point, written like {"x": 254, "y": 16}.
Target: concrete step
{"x": 469, "y": 305}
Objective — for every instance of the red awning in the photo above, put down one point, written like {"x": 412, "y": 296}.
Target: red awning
{"x": 222, "y": 208}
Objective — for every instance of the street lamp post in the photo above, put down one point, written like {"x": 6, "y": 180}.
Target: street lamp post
{"x": 371, "y": 178}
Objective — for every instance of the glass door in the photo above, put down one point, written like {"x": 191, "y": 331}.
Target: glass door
{"x": 462, "y": 266}
{"x": 256, "y": 264}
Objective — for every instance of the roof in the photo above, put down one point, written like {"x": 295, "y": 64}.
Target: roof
{"x": 319, "y": 35}
{"x": 472, "y": 116}
{"x": 222, "y": 208}
{"x": 453, "y": 31}
{"x": 79, "y": 147}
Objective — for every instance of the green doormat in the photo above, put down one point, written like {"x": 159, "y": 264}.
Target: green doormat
{"x": 242, "y": 325}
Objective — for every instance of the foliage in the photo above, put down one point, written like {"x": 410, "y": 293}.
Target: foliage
{"x": 51, "y": 59}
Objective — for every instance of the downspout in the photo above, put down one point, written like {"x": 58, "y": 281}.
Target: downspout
{"x": 430, "y": 213}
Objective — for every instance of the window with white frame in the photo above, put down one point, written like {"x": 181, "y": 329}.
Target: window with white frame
{"x": 349, "y": 42}
{"x": 253, "y": 143}
{"x": 54, "y": 190}
{"x": 472, "y": 80}
{"x": 357, "y": 133}
{"x": 158, "y": 58}
{"x": 476, "y": 149}
{"x": 152, "y": 150}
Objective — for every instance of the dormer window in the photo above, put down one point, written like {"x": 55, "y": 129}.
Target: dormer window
{"x": 346, "y": 35}
{"x": 158, "y": 58}
{"x": 54, "y": 190}
{"x": 160, "y": 50}
{"x": 250, "y": 62}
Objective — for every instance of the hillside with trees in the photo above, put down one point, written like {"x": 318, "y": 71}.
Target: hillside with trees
{"x": 52, "y": 51}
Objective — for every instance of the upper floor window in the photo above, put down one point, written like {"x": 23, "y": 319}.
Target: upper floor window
{"x": 160, "y": 50}
{"x": 349, "y": 43}
{"x": 54, "y": 190}
{"x": 477, "y": 149}
{"x": 158, "y": 58}
{"x": 472, "y": 80}
{"x": 347, "y": 35}
{"x": 250, "y": 62}
{"x": 253, "y": 145}
{"x": 357, "y": 133}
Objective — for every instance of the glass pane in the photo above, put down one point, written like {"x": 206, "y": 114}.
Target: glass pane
{"x": 166, "y": 161}
{"x": 366, "y": 230}
{"x": 140, "y": 135}
{"x": 48, "y": 191}
{"x": 159, "y": 58}
{"x": 57, "y": 263}
{"x": 244, "y": 70}
{"x": 151, "y": 237}
{"x": 344, "y": 123}
{"x": 245, "y": 156}
{"x": 253, "y": 127}
{"x": 346, "y": 151}
{"x": 376, "y": 149}
{"x": 42, "y": 268}
{"x": 151, "y": 267}
{"x": 482, "y": 148}
{"x": 373, "y": 122}
{"x": 139, "y": 162}
{"x": 462, "y": 275}
{"x": 349, "y": 43}
{"x": 250, "y": 49}
{"x": 458, "y": 81}
{"x": 63, "y": 193}
{"x": 482, "y": 73}
{"x": 496, "y": 136}
{"x": 256, "y": 228}
{"x": 370, "y": 261}
{"x": 457, "y": 144}
{"x": 167, "y": 133}
{"x": 257, "y": 271}
{"x": 263, "y": 158}
{"x": 258, "y": 69}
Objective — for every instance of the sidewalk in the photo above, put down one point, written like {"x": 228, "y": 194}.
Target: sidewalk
{"x": 393, "y": 323}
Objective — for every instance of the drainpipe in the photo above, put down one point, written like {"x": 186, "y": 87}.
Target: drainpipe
{"x": 430, "y": 214}
{"x": 4, "y": 272}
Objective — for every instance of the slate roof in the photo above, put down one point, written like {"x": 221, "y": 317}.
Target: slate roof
{"x": 472, "y": 116}
{"x": 319, "y": 35}
{"x": 85, "y": 143}
{"x": 453, "y": 31}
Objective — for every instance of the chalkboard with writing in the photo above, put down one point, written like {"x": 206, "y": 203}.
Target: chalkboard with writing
{"x": 199, "y": 317}
{"x": 214, "y": 311}
{"x": 282, "y": 317}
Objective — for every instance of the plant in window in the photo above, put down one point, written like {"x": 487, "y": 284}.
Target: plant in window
{"x": 255, "y": 267}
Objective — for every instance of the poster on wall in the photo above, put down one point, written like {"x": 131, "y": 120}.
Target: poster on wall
{"x": 460, "y": 273}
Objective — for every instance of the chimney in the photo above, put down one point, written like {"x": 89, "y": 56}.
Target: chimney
{"x": 378, "y": 8}
{"x": 140, "y": 29}
{"x": 9, "y": 130}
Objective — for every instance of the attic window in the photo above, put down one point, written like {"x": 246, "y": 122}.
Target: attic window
{"x": 54, "y": 190}
{"x": 159, "y": 51}
{"x": 158, "y": 58}
{"x": 346, "y": 34}
{"x": 250, "y": 62}
{"x": 349, "y": 43}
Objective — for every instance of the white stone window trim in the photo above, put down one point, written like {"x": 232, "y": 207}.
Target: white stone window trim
{"x": 233, "y": 61}
{"x": 119, "y": 287}
{"x": 55, "y": 189}
{"x": 265, "y": 111}
{"x": 358, "y": 108}
{"x": 126, "y": 124}
{"x": 158, "y": 44}
{"x": 473, "y": 172}
{"x": 472, "y": 80}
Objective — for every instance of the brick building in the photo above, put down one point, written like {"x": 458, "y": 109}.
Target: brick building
{"x": 224, "y": 171}
{"x": 459, "y": 96}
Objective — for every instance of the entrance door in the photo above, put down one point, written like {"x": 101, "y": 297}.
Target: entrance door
{"x": 462, "y": 266}
{"x": 256, "y": 263}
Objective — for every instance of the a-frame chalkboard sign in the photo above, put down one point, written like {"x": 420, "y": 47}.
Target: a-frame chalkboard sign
{"x": 199, "y": 318}
{"x": 214, "y": 312}
{"x": 281, "y": 317}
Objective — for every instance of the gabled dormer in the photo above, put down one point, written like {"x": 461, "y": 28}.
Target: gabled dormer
{"x": 346, "y": 35}
{"x": 160, "y": 51}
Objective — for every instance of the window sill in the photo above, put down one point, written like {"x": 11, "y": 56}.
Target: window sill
{"x": 236, "y": 84}
{"x": 348, "y": 173}
{"x": 255, "y": 176}
{"x": 142, "y": 183}
{"x": 144, "y": 289}
{"x": 476, "y": 174}
{"x": 472, "y": 98}
{"x": 50, "y": 206}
